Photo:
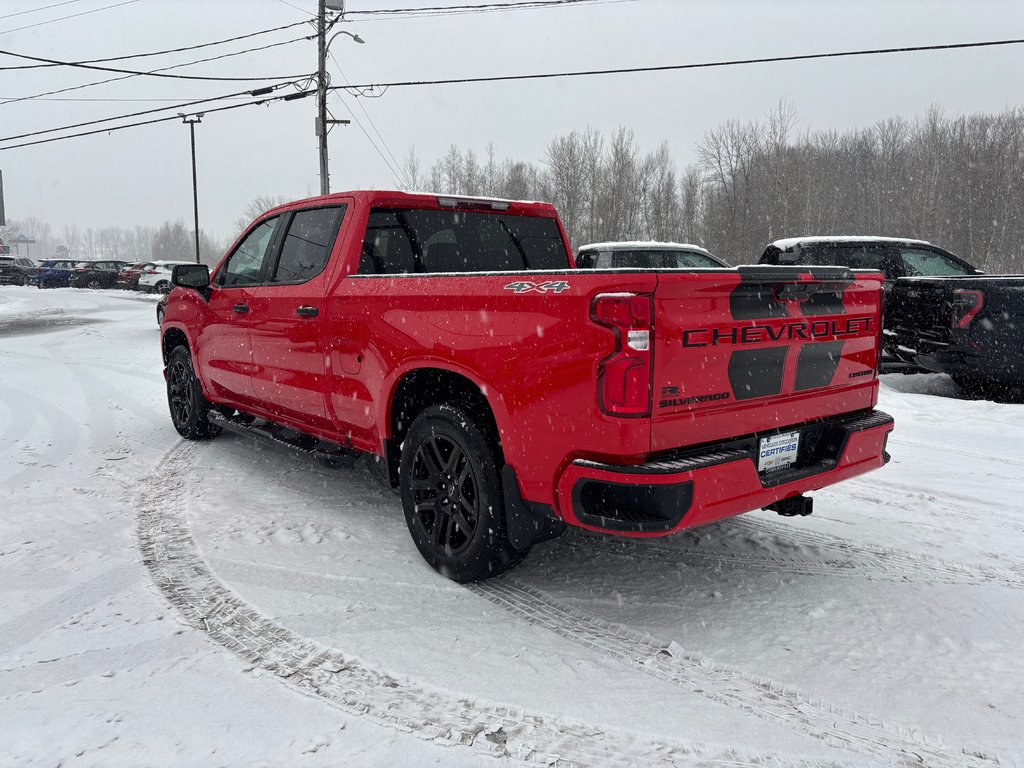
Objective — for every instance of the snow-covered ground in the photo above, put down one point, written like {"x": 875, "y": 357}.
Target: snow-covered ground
{"x": 229, "y": 603}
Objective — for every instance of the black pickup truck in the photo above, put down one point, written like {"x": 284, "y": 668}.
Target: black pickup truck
{"x": 968, "y": 326}
{"x": 941, "y": 314}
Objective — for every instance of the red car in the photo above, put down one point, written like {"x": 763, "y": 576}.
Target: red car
{"x": 511, "y": 395}
{"x": 128, "y": 277}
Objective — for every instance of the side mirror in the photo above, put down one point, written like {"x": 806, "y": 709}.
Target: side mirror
{"x": 191, "y": 276}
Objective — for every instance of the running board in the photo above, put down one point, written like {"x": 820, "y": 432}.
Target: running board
{"x": 311, "y": 446}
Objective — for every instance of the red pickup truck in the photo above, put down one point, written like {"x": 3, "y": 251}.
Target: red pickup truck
{"x": 508, "y": 393}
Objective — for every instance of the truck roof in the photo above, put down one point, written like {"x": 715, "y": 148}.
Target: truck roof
{"x": 637, "y": 245}
{"x": 387, "y": 198}
{"x": 788, "y": 243}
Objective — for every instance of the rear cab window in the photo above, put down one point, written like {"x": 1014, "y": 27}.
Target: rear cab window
{"x": 876, "y": 256}
{"x": 407, "y": 241}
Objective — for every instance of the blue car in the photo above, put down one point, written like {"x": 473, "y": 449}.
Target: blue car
{"x": 55, "y": 273}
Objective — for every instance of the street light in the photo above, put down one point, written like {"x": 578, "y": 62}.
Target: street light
{"x": 322, "y": 122}
{"x": 191, "y": 121}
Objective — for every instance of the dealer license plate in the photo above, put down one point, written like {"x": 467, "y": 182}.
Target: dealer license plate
{"x": 777, "y": 451}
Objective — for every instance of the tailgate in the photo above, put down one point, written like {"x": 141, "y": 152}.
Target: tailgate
{"x": 918, "y": 309}
{"x": 761, "y": 348}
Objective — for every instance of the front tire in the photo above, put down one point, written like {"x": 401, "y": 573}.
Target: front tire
{"x": 189, "y": 408}
{"x": 451, "y": 491}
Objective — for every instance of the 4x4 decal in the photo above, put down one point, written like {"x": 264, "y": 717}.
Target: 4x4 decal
{"x": 552, "y": 286}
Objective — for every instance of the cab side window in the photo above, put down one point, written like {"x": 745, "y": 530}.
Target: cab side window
{"x": 919, "y": 261}
{"x": 308, "y": 244}
{"x": 245, "y": 265}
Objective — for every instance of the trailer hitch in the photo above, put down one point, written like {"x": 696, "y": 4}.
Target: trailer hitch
{"x": 793, "y": 506}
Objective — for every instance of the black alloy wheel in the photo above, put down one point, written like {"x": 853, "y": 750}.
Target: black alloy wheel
{"x": 446, "y": 493}
{"x": 452, "y": 496}
{"x": 189, "y": 408}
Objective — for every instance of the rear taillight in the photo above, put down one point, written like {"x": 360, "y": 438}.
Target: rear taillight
{"x": 880, "y": 343}
{"x": 151, "y": 272}
{"x": 624, "y": 377}
{"x": 966, "y": 306}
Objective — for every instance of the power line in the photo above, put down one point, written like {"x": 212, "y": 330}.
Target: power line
{"x": 158, "y": 72}
{"x": 163, "y": 69}
{"x": 292, "y": 6}
{"x": 33, "y": 10}
{"x": 459, "y": 10}
{"x": 72, "y": 16}
{"x": 180, "y": 105}
{"x": 396, "y": 173}
{"x": 677, "y": 67}
{"x": 161, "y": 53}
{"x": 305, "y": 93}
{"x": 397, "y": 167}
{"x": 109, "y": 101}
{"x": 288, "y": 97}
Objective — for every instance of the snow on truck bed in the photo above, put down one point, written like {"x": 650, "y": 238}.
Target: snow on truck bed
{"x": 229, "y": 603}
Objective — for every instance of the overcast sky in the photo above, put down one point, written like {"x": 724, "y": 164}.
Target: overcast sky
{"x": 143, "y": 175}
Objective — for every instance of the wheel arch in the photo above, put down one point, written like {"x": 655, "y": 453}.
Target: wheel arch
{"x": 174, "y": 337}
{"x": 419, "y": 387}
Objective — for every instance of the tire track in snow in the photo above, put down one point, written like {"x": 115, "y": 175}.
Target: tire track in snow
{"x": 207, "y": 604}
{"x": 668, "y": 661}
{"x": 841, "y": 557}
{"x": 64, "y": 435}
{"x": 18, "y": 426}
{"x": 946, "y": 450}
{"x": 887, "y": 562}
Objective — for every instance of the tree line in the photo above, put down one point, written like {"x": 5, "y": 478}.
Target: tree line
{"x": 957, "y": 181}
{"x": 171, "y": 241}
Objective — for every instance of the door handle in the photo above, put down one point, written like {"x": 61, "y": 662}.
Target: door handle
{"x": 241, "y": 308}
{"x": 306, "y": 311}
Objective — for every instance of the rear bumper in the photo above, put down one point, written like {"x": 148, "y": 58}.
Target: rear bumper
{"x": 692, "y": 488}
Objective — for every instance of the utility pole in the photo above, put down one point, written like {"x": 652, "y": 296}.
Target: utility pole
{"x": 323, "y": 44}
{"x": 321, "y": 94}
{"x": 191, "y": 121}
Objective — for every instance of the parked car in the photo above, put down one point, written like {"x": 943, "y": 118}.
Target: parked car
{"x": 508, "y": 395}
{"x": 54, "y": 273}
{"x": 156, "y": 278}
{"x": 128, "y": 277}
{"x": 96, "y": 274}
{"x": 161, "y": 309}
{"x": 16, "y": 270}
{"x": 646, "y": 255}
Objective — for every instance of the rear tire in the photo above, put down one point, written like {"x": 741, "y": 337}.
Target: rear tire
{"x": 162, "y": 287}
{"x": 451, "y": 491}
{"x": 189, "y": 408}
